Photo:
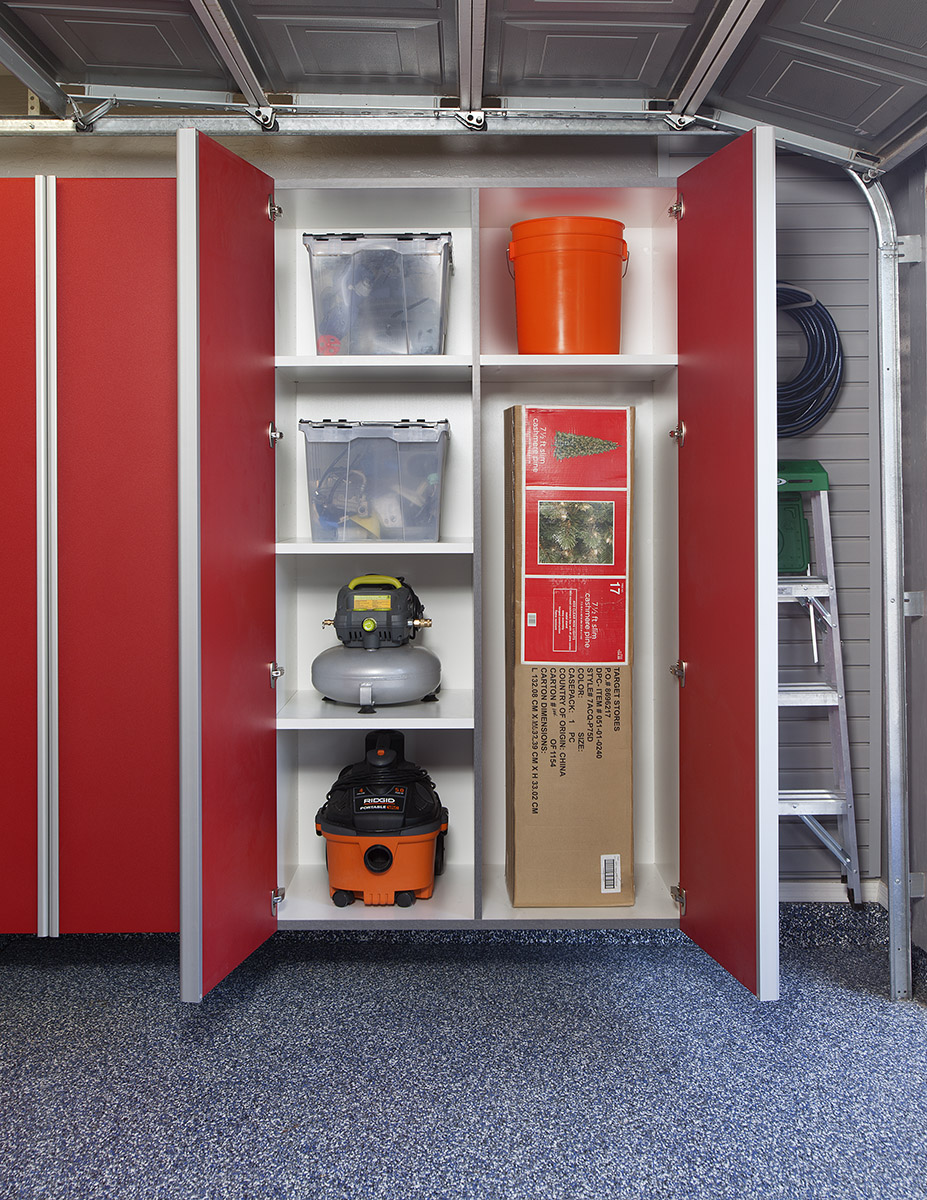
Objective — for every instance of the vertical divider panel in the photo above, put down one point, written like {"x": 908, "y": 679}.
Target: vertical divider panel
{"x": 767, "y": 614}
{"x": 188, "y": 486}
{"x": 47, "y": 378}
{"x": 476, "y": 393}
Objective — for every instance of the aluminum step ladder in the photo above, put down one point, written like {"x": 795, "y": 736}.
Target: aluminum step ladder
{"x": 816, "y": 591}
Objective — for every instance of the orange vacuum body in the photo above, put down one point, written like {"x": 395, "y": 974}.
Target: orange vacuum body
{"x": 384, "y": 828}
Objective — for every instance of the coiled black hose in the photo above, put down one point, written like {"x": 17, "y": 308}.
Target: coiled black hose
{"x": 805, "y": 400}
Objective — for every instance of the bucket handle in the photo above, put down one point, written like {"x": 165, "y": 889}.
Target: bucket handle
{"x": 508, "y": 261}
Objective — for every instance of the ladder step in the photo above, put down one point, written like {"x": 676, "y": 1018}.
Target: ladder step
{"x": 799, "y": 587}
{"x": 807, "y": 695}
{"x": 812, "y": 803}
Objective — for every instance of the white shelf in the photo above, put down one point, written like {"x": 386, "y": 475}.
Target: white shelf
{"x": 359, "y": 367}
{"x": 377, "y": 549}
{"x": 307, "y": 901}
{"x": 527, "y": 367}
{"x": 652, "y": 905}
{"x": 309, "y": 710}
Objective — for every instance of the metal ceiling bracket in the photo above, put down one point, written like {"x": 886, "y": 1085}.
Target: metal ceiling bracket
{"x": 910, "y": 248}
{"x": 266, "y": 117}
{"x": 677, "y": 121}
{"x": 471, "y": 120}
{"x": 83, "y": 122}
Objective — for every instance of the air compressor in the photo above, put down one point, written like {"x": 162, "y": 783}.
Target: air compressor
{"x": 377, "y": 618}
{"x": 384, "y": 827}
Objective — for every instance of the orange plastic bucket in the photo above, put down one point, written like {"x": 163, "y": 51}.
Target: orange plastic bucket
{"x": 568, "y": 284}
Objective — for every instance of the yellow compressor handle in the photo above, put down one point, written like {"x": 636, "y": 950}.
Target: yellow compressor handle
{"x": 376, "y": 581}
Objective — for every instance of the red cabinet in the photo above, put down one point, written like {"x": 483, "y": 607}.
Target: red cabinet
{"x": 162, "y": 387}
{"x": 19, "y": 584}
{"x": 90, "y": 702}
{"x": 726, "y": 856}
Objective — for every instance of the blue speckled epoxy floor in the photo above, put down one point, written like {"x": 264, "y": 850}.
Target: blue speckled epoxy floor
{"x": 458, "y": 1066}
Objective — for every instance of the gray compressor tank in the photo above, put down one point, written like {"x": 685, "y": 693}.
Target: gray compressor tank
{"x": 377, "y": 618}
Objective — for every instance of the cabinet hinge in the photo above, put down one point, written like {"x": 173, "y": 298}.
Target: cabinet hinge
{"x": 679, "y": 434}
{"x": 274, "y": 435}
{"x": 273, "y": 208}
{"x": 277, "y": 896}
{"x": 275, "y": 673}
{"x": 678, "y": 210}
{"x": 678, "y": 894}
{"x": 679, "y": 670}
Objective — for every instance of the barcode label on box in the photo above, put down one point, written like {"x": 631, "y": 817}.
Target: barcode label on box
{"x": 611, "y": 873}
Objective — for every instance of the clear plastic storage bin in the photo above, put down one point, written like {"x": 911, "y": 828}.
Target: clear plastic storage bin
{"x": 379, "y": 293}
{"x": 373, "y": 480}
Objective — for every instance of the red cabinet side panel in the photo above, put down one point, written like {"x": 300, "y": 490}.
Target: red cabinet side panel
{"x": 117, "y": 555}
{"x": 237, "y": 571}
{"x": 717, "y": 559}
{"x": 18, "y": 604}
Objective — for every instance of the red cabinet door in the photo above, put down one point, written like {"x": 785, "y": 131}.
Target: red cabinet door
{"x": 19, "y": 695}
{"x": 727, "y": 560}
{"x": 115, "y": 777}
{"x": 227, "y": 587}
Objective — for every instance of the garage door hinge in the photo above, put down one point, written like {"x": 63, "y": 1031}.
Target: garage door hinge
{"x": 277, "y": 896}
{"x": 474, "y": 119}
{"x": 679, "y": 896}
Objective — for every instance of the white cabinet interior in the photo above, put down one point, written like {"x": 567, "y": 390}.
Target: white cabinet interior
{"x": 461, "y": 739}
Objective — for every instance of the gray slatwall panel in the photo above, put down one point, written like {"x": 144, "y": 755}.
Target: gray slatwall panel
{"x": 824, "y": 244}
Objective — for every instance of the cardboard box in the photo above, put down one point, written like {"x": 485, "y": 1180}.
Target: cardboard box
{"x": 569, "y": 835}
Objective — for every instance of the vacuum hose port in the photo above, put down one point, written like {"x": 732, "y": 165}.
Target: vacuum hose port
{"x": 378, "y": 859}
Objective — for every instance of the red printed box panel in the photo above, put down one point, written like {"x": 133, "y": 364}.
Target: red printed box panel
{"x": 573, "y": 532}
{"x": 576, "y": 535}
{"x": 575, "y": 620}
{"x": 577, "y": 447}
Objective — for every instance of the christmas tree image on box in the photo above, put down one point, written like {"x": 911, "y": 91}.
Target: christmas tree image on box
{"x": 578, "y": 445}
{"x": 576, "y": 531}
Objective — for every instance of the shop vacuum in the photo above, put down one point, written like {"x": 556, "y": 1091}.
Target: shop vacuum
{"x": 384, "y": 828}
{"x": 377, "y": 618}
